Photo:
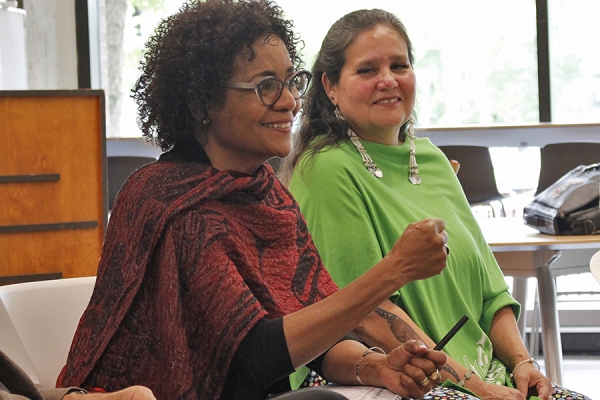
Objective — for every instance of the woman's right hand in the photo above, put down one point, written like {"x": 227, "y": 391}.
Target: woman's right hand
{"x": 410, "y": 370}
{"x": 420, "y": 252}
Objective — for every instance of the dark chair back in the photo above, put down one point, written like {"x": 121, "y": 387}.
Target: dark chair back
{"x": 476, "y": 173}
{"x": 559, "y": 158}
{"x": 119, "y": 169}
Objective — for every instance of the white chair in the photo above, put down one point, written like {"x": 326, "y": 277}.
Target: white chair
{"x": 595, "y": 266}
{"x": 38, "y": 321}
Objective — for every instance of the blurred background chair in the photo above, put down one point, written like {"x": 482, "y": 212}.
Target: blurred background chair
{"x": 556, "y": 159}
{"x": 11, "y": 344}
{"x": 119, "y": 169}
{"x": 38, "y": 321}
{"x": 476, "y": 175}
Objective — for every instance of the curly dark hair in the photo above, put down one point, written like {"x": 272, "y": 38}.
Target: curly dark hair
{"x": 319, "y": 126}
{"x": 191, "y": 54}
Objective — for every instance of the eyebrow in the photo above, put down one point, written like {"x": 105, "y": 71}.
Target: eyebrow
{"x": 400, "y": 57}
{"x": 264, "y": 74}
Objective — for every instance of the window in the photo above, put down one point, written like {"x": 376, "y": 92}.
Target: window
{"x": 475, "y": 61}
{"x": 139, "y": 25}
{"x": 574, "y": 60}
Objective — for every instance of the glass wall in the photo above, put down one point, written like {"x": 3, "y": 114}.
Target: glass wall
{"x": 575, "y": 60}
{"x": 476, "y": 62}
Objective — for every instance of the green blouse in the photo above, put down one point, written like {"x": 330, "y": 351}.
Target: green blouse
{"x": 355, "y": 218}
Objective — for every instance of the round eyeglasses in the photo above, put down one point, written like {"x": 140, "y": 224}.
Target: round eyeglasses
{"x": 269, "y": 89}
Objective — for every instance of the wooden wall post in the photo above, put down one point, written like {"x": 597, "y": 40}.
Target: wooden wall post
{"x": 53, "y": 201}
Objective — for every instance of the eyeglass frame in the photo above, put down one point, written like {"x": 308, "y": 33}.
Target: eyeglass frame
{"x": 250, "y": 86}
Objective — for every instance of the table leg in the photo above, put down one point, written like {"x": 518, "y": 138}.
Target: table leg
{"x": 550, "y": 324}
{"x": 519, "y": 292}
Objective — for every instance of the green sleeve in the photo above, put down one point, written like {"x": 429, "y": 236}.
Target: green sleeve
{"x": 336, "y": 216}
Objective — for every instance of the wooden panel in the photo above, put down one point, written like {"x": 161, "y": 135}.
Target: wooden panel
{"x": 74, "y": 253}
{"x": 57, "y": 134}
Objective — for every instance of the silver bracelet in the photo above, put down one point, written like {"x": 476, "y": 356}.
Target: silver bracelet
{"x": 374, "y": 350}
{"x": 529, "y": 360}
{"x": 76, "y": 391}
{"x": 368, "y": 351}
{"x": 468, "y": 376}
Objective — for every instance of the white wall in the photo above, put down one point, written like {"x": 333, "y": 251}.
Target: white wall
{"x": 513, "y": 136}
{"x": 51, "y": 44}
{"x": 13, "y": 55}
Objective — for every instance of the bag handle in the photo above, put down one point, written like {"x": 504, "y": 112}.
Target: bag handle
{"x": 591, "y": 167}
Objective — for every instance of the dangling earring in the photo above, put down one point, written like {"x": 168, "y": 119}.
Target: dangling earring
{"x": 338, "y": 113}
{"x": 366, "y": 158}
{"x": 413, "y": 167}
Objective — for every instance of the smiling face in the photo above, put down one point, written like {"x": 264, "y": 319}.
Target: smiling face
{"x": 376, "y": 89}
{"x": 244, "y": 133}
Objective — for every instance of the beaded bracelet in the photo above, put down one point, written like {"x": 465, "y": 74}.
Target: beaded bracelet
{"x": 368, "y": 351}
{"x": 529, "y": 360}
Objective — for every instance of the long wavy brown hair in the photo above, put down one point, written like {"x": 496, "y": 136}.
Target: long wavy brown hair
{"x": 319, "y": 128}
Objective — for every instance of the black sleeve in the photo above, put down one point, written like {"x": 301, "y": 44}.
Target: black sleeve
{"x": 263, "y": 354}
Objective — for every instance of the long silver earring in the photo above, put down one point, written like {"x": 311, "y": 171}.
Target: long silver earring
{"x": 366, "y": 158}
{"x": 338, "y": 113}
{"x": 413, "y": 167}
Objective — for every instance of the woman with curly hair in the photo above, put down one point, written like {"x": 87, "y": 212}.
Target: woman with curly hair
{"x": 209, "y": 285}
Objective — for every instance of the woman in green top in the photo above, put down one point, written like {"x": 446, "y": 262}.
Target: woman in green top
{"x": 355, "y": 174}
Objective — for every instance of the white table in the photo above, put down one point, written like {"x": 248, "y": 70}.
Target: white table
{"x": 523, "y": 252}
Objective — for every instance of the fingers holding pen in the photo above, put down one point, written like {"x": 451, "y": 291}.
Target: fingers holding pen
{"x": 413, "y": 369}
{"x": 424, "y": 358}
{"x": 424, "y": 367}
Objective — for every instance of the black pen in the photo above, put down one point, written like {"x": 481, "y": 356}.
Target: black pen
{"x": 452, "y": 332}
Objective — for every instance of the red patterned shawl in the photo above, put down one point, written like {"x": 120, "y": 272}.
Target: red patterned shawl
{"x": 193, "y": 258}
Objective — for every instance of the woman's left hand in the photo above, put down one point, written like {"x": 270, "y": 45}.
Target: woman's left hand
{"x": 410, "y": 370}
{"x": 527, "y": 376}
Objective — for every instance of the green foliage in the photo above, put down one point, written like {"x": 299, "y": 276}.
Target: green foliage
{"x": 144, "y": 5}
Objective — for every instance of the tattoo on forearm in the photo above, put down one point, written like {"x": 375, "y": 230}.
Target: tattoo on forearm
{"x": 404, "y": 333}
{"x": 400, "y": 329}
{"x": 451, "y": 371}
